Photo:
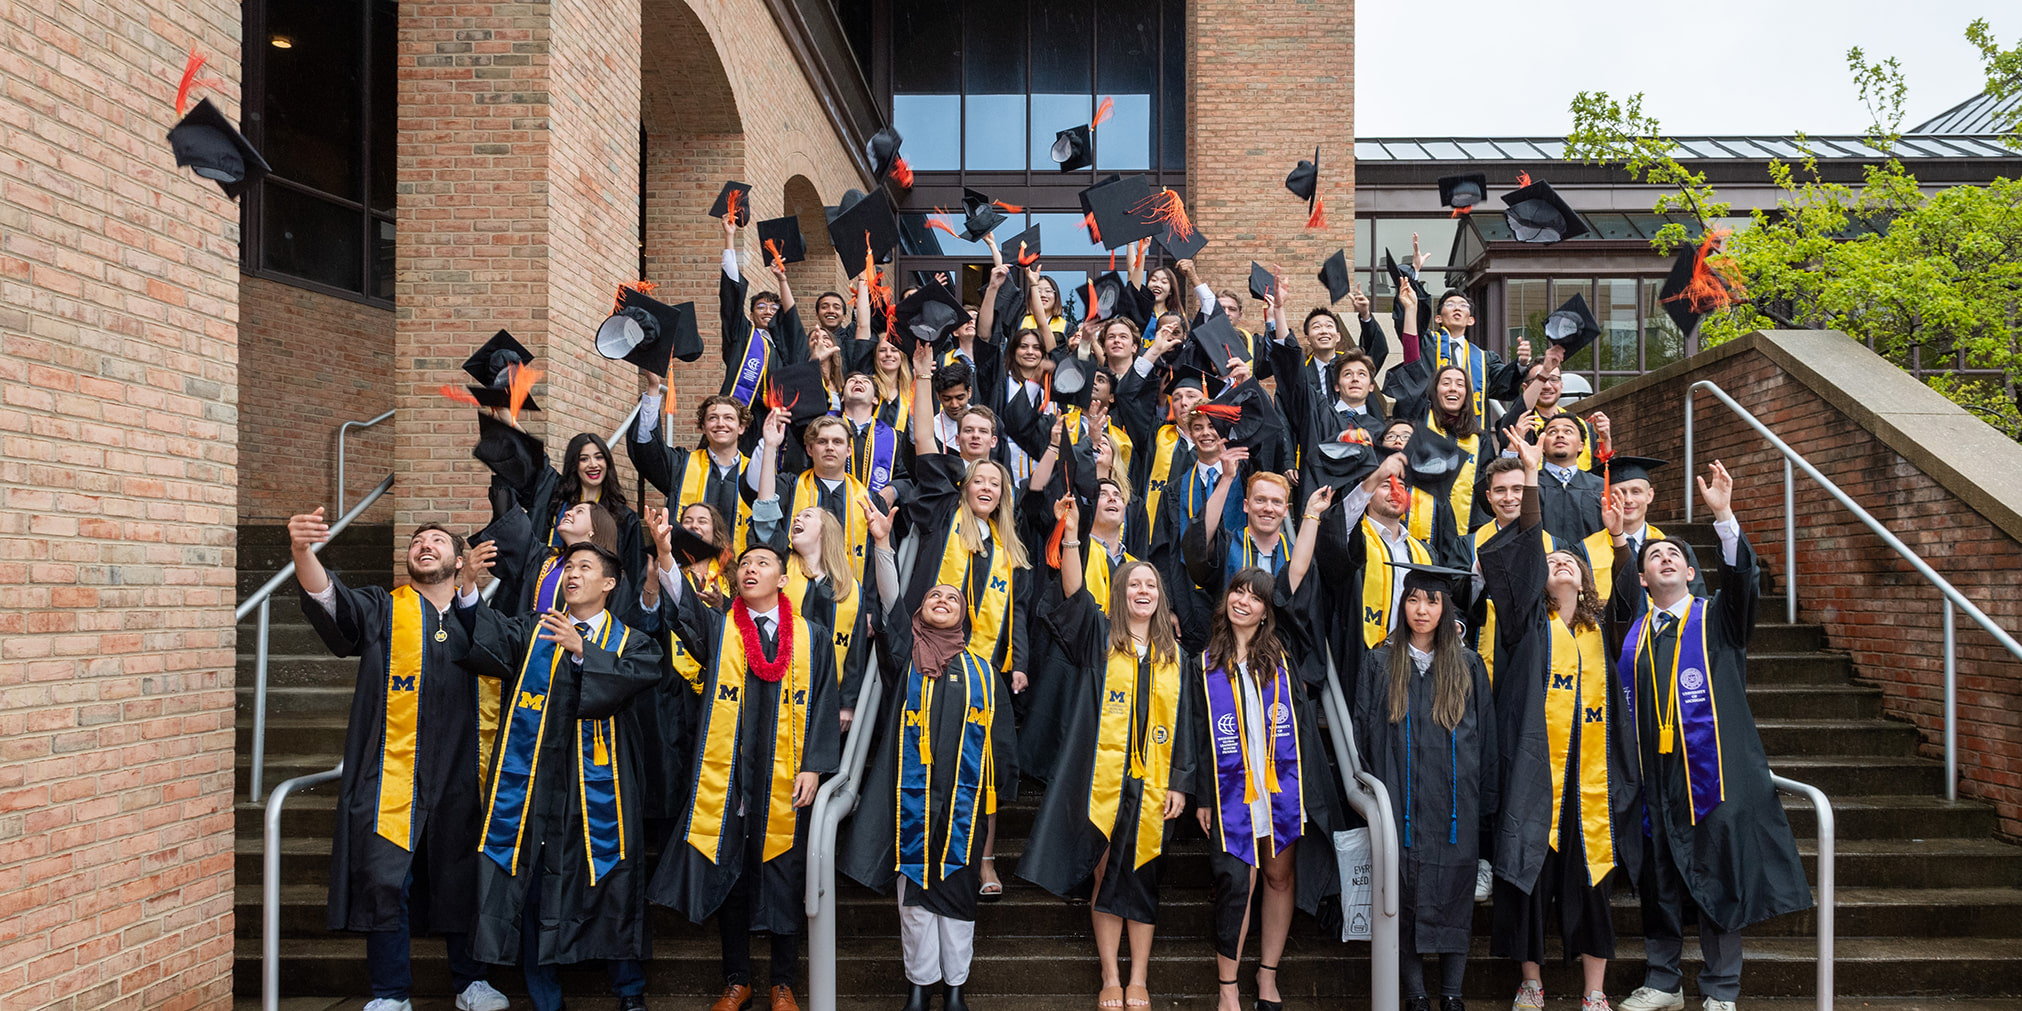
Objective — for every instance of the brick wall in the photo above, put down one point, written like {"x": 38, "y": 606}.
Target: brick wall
{"x": 118, "y": 456}
{"x": 310, "y": 362}
{"x": 1873, "y": 604}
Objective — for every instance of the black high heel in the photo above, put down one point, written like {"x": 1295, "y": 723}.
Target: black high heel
{"x": 918, "y": 998}
{"x": 952, "y": 999}
{"x": 1268, "y": 1005}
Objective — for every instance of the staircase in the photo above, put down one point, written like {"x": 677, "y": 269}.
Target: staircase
{"x": 1930, "y": 903}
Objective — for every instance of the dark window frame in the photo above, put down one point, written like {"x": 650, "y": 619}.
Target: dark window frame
{"x": 252, "y": 209}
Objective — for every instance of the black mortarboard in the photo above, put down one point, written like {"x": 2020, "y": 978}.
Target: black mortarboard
{"x": 1334, "y": 274}
{"x": 1180, "y": 243}
{"x": 1022, "y": 250}
{"x": 1073, "y": 381}
{"x": 689, "y": 548}
{"x": 864, "y": 224}
{"x": 1121, "y": 212}
{"x": 1113, "y": 298}
{"x": 1260, "y": 281}
{"x": 800, "y": 390}
{"x": 1453, "y": 583}
{"x": 1462, "y": 192}
{"x": 1219, "y": 341}
{"x": 1432, "y": 461}
{"x": 1256, "y": 420}
{"x": 1186, "y": 375}
{"x": 498, "y": 441}
{"x": 1401, "y": 275}
{"x": 1304, "y": 179}
{"x": 980, "y": 215}
{"x": 1632, "y": 468}
{"x": 928, "y": 314}
{"x": 1537, "y": 215}
{"x": 492, "y": 366}
{"x": 207, "y": 143}
{"x": 1683, "y": 309}
{"x": 1338, "y": 464}
{"x": 1072, "y": 147}
{"x": 1572, "y": 325}
{"x": 722, "y": 205}
{"x": 644, "y": 332}
{"x": 785, "y": 234}
{"x": 883, "y": 152}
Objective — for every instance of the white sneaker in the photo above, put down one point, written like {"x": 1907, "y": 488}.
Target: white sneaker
{"x": 387, "y": 1004}
{"x": 1484, "y": 880}
{"x": 1595, "y": 1001}
{"x": 1718, "y": 1005}
{"x": 1530, "y": 996}
{"x": 481, "y": 996}
{"x": 1651, "y": 999}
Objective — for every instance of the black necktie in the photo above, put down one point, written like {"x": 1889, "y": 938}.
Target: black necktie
{"x": 1667, "y": 624}
{"x": 765, "y": 637}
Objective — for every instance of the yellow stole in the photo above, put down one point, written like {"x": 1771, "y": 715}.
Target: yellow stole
{"x": 1118, "y": 439}
{"x": 1377, "y": 581}
{"x": 1485, "y": 645}
{"x": 1600, "y": 547}
{"x": 990, "y": 612}
{"x": 901, "y": 421}
{"x": 1161, "y": 468}
{"x": 1096, "y": 571}
{"x": 1571, "y": 696}
{"x": 856, "y": 529}
{"x": 797, "y": 585}
{"x": 1144, "y": 752}
{"x": 403, "y": 718}
{"x": 695, "y": 484}
{"x": 1460, "y": 497}
{"x": 719, "y": 744}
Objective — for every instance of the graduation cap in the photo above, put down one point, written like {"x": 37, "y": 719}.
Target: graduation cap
{"x": 1537, "y": 215}
{"x": 1694, "y": 287}
{"x": 492, "y": 366}
{"x": 1432, "y": 461}
{"x": 647, "y": 332}
{"x": 980, "y": 215}
{"x": 1113, "y": 298}
{"x": 1572, "y": 326}
{"x": 1114, "y": 204}
{"x": 863, "y": 225}
{"x": 1462, "y": 192}
{"x": 1261, "y": 281}
{"x": 1023, "y": 249}
{"x": 1072, "y": 147}
{"x": 781, "y": 239}
{"x": 690, "y": 548}
{"x": 800, "y": 390}
{"x": 1339, "y": 463}
{"x": 927, "y": 314}
{"x": 207, "y": 143}
{"x": 1073, "y": 381}
{"x": 1455, "y": 584}
{"x": 1304, "y": 179}
{"x": 497, "y": 440}
{"x": 1180, "y": 239}
{"x": 736, "y": 196}
{"x": 883, "y": 152}
{"x": 1401, "y": 275}
{"x": 1218, "y": 342}
{"x": 1335, "y": 275}
{"x": 1244, "y": 414}
{"x": 1632, "y": 468}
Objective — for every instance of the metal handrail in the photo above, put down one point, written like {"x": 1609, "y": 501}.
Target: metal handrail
{"x": 270, "y": 884}
{"x": 343, "y": 430}
{"x": 1368, "y": 797}
{"x": 1953, "y": 598}
{"x": 1826, "y": 832}
{"x": 262, "y": 601}
{"x": 832, "y": 803}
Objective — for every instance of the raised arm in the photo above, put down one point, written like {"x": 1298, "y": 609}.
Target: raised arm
{"x": 1039, "y": 317}
{"x": 923, "y": 400}
{"x": 986, "y": 313}
{"x": 1065, "y": 509}
{"x": 1309, "y": 536}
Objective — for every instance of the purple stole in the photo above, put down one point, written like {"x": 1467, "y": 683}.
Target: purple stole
{"x": 882, "y": 441}
{"x": 751, "y": 371}
{"x": 1225, "y": 732}
{"x": 548, "y": 586}
{"x": 1696, "y": 714}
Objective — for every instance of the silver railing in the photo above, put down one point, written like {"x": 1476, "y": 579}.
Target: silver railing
{"x": 832, "y": 803}
{"x": 1953, "y": 598}
{"x": 344, "y": 430}
{"x": 1368, "y": 797}
{"x": 1826, "y": 830}
{"x": 261, "y": 601}
{"x": 270, "y": 883}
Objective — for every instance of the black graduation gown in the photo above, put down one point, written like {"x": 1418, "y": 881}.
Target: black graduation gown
{"x": 868, "y": 851}
{"x": 1451, "y": 546}
{"x": 1502, "y": 380}
{"x": 1448, "y": 803}
{"x": 1739, "y": 864}
{"x": 687, "y": 880}
{"x": 366, "y": 870}
{"x": 937, "y": 495}
{"x": 579, "y": 921}
{"x": 666, "y": 467}
{"x": 1169, "y": 530}
{"x": 1572, "y": 509}
{"x": 520, "y": 461}
{"x": 1065, "y": 848}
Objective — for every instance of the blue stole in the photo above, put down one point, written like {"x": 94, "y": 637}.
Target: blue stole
{"x": 1477, "y": 371}
{"x": 975, "y": 773}
{"x": 1243, "y": 554}
{"x": 519, "y": 750}
{"x": 1691, "y": 702}
{"x": 882, "y": 450}
{"x": 751, "y": 371}
{"x": 548, "y": 588}
{"x": 1236, "y": 782}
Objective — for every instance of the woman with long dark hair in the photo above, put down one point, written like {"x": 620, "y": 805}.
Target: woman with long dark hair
{"x": 589, "y": 474}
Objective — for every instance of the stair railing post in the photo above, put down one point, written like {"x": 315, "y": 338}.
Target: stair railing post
{"x": 260, "y": 650}
{"x": 344, "y": 430}
{"x": 1789, "y": 542}
{"x": 270, "y": 885}
{"x": 1828, "y": 832}
{"x": 1951, "y": 705}
{"x": 1688, "y": 451}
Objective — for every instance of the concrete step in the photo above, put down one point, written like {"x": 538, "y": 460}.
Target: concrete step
{"x": 323, "y": 702}
{"x": 1777, "y": 637}
{"x": 1862, "y": 774}
{"x": 1893, "y": 816}
{"x": 1793, "y": 738}
{"x": 1815, "y": 668}
{"x": 288, "y": 670}
{"x": 361, "y": 571}
{"x": 1814, "y": 702}
{"x": 1064, "y": 967}
{"x": 287, "y": 632}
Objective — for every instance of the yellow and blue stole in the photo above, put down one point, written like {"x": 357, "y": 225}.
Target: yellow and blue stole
{"x": 1377, "y": 573}
{"x": 1459, "y": 498}
{"x": 1243, "y": 553}
{"x": 1162, "y": 451}
{"x": 1235, "y": 781}
{"x": 406, "y": 648}
{"x": 990, "y": 606}
{"x": 547, "y": 597}
{"x": 1577, "y": 706}
{"x": 754, "y": 366}
{"x": 695, "y": 489}
{"x": 1452, "y": 352}
{"x": 975, "y": 775}
{"x": 1141, "y": 751}
{"x": 873, "y": 458}
{"x": 519, "y": 752}
{"x": 843, "y": 621}
{"x": 856, "y": 528}
{"x": 722, "y": 730}
{"x": 1485, "y": 641}
{"x": 1690, "y": 716}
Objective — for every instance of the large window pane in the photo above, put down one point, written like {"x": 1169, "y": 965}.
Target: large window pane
{"x": 993, "y": 131}
{"x": 931, "y": 126}
{"x": 929, "y": 54}
{"x": 314, "y": 93}
{"x": 1663, "y": 342}
{"x": 313, "y": 238}
{"x": 993, "y": 61}
{"x": 1127, "y": 71}
{"x": 1435, "y": 237}
{"x": 382, "y": 259}
{"x": 1123, "y": 141}
{"x": 1615, "y": 308}
{"x": 1173, "y": 89}
{"x": 1526, "y": 304}
{"x": 385, "y": 125}
{"x": 1051, "y": 114}
{"x": 1062, "y": 235}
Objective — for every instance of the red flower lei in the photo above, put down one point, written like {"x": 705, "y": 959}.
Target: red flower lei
{"x": 754, "y": 649}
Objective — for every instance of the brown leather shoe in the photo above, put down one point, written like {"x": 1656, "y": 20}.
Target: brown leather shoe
{"x": 736, "y": 997}
{"x": 782, "y": 998}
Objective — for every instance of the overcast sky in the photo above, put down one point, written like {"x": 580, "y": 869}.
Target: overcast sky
{"x": 1770, "y": 67}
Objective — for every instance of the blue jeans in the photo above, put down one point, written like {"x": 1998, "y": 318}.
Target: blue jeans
{"x": 544, "y": 988}
{"x": 389, "y": 961}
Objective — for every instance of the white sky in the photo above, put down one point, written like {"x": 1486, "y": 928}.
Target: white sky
{"x": 1773, "y": 67}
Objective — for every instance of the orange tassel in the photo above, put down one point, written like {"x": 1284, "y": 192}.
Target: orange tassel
{"x": 902, "y": 173}
{"x": 1102, "y": 111}
{"x": 1002, "y": 206}
{"x": 1714, "y": 284}
{"x": 1458, "y": 211}
{"x": 1319, "y": 218}
{"x": 458, "y": 394}
{"x": 732, "y": 205}
{"x": 938, "y": 224}
{"x": 1397, "y": 496}
{"x": 1112, "y": 260}
{"x": 1167, "y": 208}
{"x": 1053, "y": 542}
{"x": 1523, "y": 179}
{"x": 1026, "y": 258}
{"x": 1091, "y": 297}
{"x": 1221, "y": 412}
{"x": 190, "y": 81}
{"x": 524, "y": 378}
{"x": 642, "y": 287}
{"x": 778, "y": 255}
{"x": 1354, "y": 435}
{"x": 1094, "y": 233}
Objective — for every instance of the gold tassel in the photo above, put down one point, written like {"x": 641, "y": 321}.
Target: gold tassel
{"x": 600, "y": 753}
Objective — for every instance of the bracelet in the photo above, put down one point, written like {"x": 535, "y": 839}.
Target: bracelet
{"x": 1070, "y": 544}
{"x": 1312, "y": 516}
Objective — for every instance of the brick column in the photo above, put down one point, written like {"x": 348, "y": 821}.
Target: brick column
{"x": 1261, "y": 100}
{"x": 518, "y": 209}
{"x": 118, "y": 472}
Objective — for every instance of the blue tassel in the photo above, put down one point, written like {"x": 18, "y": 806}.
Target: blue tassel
{"x": 1409, "y": 745}
{"x": 1453, "y": 788}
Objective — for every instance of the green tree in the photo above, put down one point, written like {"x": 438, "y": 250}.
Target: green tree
{"x": 1927, "y": 278}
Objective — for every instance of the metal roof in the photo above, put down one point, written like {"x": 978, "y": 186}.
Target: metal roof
{"x": 1545, "y": 149}
{"x": 1981, "y": 114}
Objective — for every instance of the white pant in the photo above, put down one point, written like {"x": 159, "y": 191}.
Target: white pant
{"x": 937, "y": 948}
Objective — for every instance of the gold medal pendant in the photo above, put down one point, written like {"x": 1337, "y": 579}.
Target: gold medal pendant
{"x": 441, "y": 635}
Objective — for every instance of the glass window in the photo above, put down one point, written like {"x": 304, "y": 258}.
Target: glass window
{"x": 1123, "y": 141}
{"x": 930, "y": 60}
{"x": 1614, "y": 304}
{"x": 1525, "y": 305}
{"x": 1062, "y": 235}
{"x": 1663, "y": 342}
{"x": 382, "y": 259}
{"x": 314, "y": 95}
{"x": 994, "y": 123}
{"x": 385, "y": 125}
{"x": 1173, "y": 88}
{"x": 932, "y": 128}
{"x": 993, "y": 77}
{"x": 1366, "y": 253}
{"x": 313, "y": 238}
{"x": 1052, "y": 113}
